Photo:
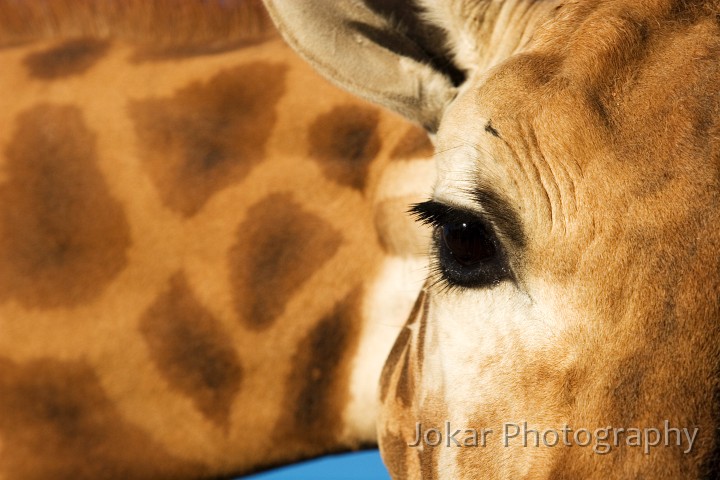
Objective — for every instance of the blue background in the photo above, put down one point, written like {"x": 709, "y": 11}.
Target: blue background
{"x": 365, "y": 465}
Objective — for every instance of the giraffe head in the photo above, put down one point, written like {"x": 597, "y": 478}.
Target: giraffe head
{"x": 569, "y": 324}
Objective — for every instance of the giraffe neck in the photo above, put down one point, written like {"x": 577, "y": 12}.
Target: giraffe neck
{"x": 203, "y": 266}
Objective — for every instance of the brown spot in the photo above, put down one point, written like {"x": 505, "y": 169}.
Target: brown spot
{"x": 414, "y": 144}
{"x": 209, "y": 135}
{"x": 405, "y": 388}
{"x": 193, "y": 351}
{"x": 57, "y": 422}
{"x": 598, "y": 105}
{"x": 402, "y": 344}
{"x": 422, "y": 331}
{"x": 73, "y": 57}
{"x": 278, "y": 248}
{"x": 344, "y": 141}
{"x": 399, "y": 348}
{"x": 491, "y": 130}
{"x": 63, "y": 238}
{"x": 175, "y": 52}
{"x": 428, "y": 458}
{"x": 393, "y": 449}
{"x": 318, "y": 385}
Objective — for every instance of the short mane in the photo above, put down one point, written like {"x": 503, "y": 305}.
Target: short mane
{"x": 163, "y": 23}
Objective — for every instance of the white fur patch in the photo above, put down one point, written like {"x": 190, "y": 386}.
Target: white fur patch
{"x": 476, "y": 339}
{"x": 386, "y": 308}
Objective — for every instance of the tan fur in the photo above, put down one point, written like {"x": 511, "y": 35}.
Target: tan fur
{"x": 166, "y": 22}
{"x": 188, "y": 245}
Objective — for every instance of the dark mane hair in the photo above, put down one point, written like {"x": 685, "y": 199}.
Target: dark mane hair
{"x": 164, "y": 23}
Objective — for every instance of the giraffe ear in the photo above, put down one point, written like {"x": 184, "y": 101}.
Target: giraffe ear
{"x": 377, "y": 49}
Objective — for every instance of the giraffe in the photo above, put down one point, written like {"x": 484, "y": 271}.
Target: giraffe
{"x": 574, "y": 284}
{"x": 204, "y": 251}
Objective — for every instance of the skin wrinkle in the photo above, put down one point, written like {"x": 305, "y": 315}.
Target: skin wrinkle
{"x": 525, "y": 172}
{"x": 549, "y": 181}
{"x": 496, "y": 208}
{"x": 515, "y": 166}
{"x": 571, "y": 198}
{"x": 484, "y": 33}
{"x": 565, "y": 186}
{"x": 547, "y": 184}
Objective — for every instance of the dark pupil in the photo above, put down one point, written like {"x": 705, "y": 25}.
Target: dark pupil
{"x": 468, "y": 243}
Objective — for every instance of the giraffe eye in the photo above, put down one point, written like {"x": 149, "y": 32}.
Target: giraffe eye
{"x": 469, "y": 243}
{"x": 469, "y": 254}
{"x": 467, "y": 251}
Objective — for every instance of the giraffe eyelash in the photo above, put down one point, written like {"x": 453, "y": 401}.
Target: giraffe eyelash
{"x": 452, "y": 265}
{"x": 436, "y": 278}
{"x": 437, "y": 214}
